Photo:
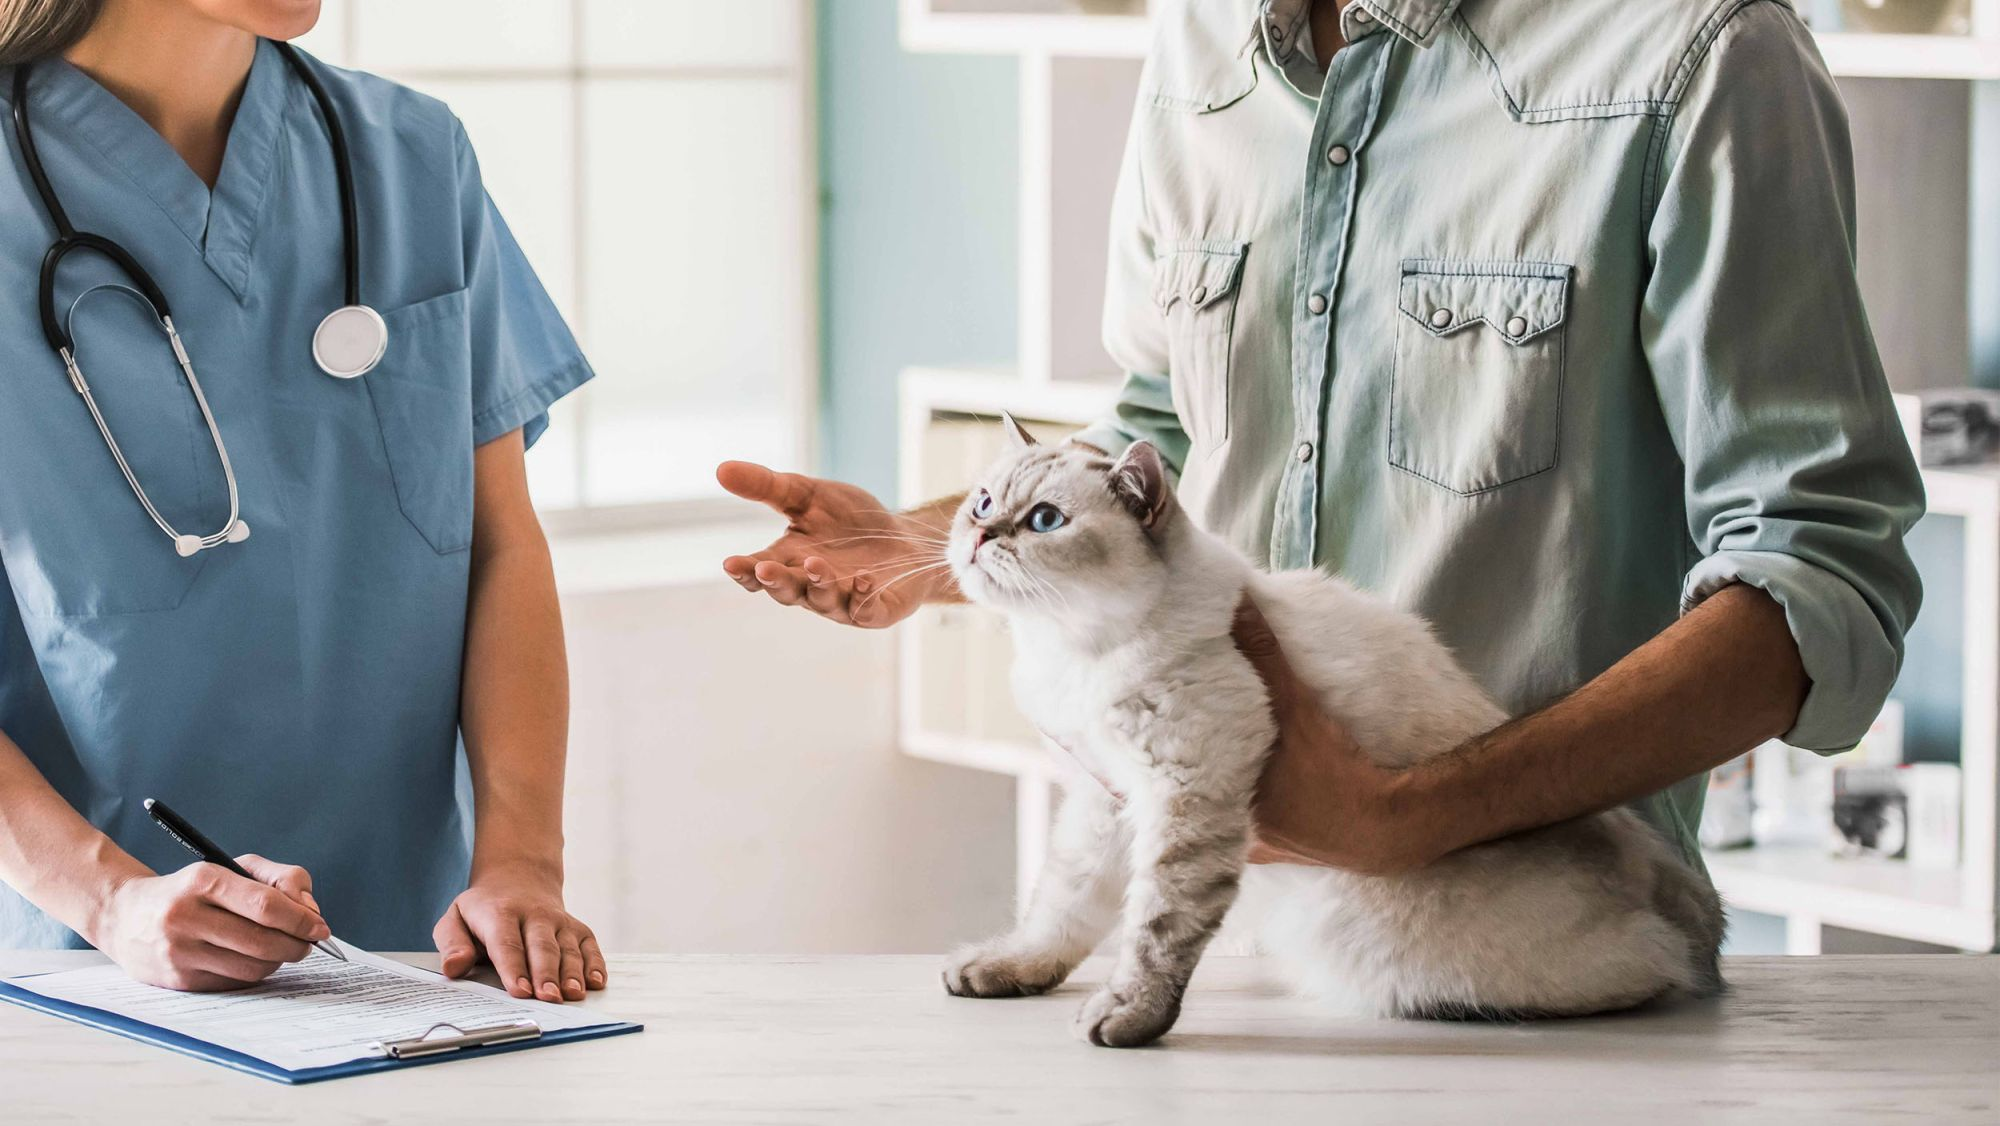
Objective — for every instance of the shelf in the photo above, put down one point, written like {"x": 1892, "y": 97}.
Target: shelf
{"x": 1881, "y": 897}
{"x": 992, "y": 390}
{"x": 994, "y": 756}
{"x": 1962, "y": 490}
{"x": 1074, "y": 34}
{"x": 1862, "y": 55}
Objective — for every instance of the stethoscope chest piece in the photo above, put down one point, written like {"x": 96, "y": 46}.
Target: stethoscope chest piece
{"x": 350, "y": 341}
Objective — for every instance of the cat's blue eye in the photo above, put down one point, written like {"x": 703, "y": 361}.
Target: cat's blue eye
{"x": 1046, "y": 518}
{"x": 982, "y": 506}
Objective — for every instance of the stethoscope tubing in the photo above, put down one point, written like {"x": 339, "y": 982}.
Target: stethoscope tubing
{"x": 60, "y": 334}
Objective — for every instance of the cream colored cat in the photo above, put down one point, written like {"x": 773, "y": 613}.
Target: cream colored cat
{"x": 1121, "y": 611}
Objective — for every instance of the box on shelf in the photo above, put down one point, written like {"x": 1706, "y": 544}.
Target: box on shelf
{"x": 1792, "y": 790}
{"x": 1951, "y": 426}
{"x": 1933, "y": 793}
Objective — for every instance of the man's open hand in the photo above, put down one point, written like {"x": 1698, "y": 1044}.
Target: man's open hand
{"x": 843, "y": 555}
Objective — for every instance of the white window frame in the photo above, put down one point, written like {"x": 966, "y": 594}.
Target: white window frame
{"x": 338, "y": 38}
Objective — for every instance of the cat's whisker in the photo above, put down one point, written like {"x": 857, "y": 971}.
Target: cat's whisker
{"x": 884, "y": 588}
{"x": 891, "y": 536}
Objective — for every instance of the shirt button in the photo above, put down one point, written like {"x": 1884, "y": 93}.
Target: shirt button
{"x": 1199, "y": 295}
{"x": 1318, "y": 305}
{"x": 1516, "y": 326}
{"x": 1362, "y": 15}
{"x": 1440, "y": 318}
{"x": 1305, "y": 451}
{"x": 1338, "y": 154}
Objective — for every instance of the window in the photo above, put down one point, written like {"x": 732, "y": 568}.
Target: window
{"x": 654, "y": 158}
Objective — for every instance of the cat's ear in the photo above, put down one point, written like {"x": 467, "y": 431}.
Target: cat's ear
{"x": 1139, "y": 481}
{"x": 1018, "y": 437}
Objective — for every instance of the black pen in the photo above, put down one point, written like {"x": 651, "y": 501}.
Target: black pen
{"x": 192, "y": 839}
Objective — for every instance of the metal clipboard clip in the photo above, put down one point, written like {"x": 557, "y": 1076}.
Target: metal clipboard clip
{"x": 428, "y": 1043}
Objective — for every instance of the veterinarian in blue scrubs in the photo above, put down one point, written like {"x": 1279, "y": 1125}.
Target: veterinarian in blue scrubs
{"x": 301, "y": 691}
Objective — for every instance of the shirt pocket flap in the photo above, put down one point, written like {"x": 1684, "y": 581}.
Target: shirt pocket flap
{"x": 1198, "y": 273}
{"x": 1517, "y": 300}
{"x": 1202, "y": 59}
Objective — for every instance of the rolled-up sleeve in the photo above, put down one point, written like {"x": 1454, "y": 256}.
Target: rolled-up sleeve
{"x": 1134, "y": 330}
{"x": 1798, "y": 479}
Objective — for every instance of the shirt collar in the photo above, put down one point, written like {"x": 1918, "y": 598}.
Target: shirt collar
{"x": 1418, "y": 21}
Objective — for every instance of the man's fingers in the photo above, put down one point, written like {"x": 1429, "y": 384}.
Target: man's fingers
{"x": 1256, "y": 642}
{"x": 784, "y": 584}
{"x": 595, "y": 973}
{"x": 544, "y": 959}
{"x": 874, "y": 607}
{"x": 571, "y": 976}
{"x": 743, "y": 569}
{"x": 789, "y": 493}
{"x": 264, "y": 905}
{"x": 457, "y": 950}
{"x": 825, "y": 594}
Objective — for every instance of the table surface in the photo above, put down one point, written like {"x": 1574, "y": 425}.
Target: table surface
{"x": 1874, "y": 1039}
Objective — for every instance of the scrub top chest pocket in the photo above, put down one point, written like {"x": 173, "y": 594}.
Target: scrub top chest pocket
{"x": 1195, "y": 285}
{"x": 422, "y": 394}
{"x": 1477, "y": 396}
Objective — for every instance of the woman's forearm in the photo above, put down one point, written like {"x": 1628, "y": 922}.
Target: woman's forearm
{"x": 514, "y": 704}
{"x": 52, "y": 856}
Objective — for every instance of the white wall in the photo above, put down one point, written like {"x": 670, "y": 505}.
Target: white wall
{"x": 734, "y": 787}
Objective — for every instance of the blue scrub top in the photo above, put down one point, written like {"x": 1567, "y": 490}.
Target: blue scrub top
{"x": 294, "y": 695}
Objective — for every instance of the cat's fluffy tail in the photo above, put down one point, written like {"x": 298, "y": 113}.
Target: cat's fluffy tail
{"x": 1687, "y": 900}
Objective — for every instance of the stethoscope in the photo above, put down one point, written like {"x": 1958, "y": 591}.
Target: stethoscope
{"x": 348, "y": 343}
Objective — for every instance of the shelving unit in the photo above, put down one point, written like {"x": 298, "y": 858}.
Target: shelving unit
{"x": 1948, "y": 907}
{"x": 1078, "y": 74}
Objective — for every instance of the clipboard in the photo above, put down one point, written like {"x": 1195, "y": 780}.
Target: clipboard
{"x": 441, "y": 1044}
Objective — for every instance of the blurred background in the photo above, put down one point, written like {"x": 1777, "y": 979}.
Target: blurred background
{"x": 837, "y": 237}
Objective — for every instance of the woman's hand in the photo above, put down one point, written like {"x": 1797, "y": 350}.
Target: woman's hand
{"x": 514, "y": 917}
{"x": 1321, "y": 801}
{"x": 206, "y": 928}
{"x": 843, "y": 555}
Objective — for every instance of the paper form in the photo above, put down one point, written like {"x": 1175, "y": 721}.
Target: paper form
{"x": 314, "y": 1013}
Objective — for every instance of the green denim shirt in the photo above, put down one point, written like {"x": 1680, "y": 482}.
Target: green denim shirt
{"x": 1539, "y": 318}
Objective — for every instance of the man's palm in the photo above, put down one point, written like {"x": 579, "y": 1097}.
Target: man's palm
{"x": 843, "y": 555}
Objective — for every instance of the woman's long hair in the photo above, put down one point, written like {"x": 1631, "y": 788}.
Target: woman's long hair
{"x": 35, "y": 29}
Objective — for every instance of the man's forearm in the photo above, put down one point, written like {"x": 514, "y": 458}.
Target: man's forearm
{"x": 1724, "y": 678}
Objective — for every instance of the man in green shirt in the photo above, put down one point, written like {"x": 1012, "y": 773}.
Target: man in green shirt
{"x": 1540, "y": 318}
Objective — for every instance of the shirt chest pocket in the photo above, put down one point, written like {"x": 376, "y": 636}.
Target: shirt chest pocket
{"x": 422, "y": 396}
{"x": 1195, "y": 285}
{"x": 1476, "y": 402}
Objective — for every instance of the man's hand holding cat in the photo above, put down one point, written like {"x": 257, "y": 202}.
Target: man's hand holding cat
{"x": 843, "y": 555}
{"x": 1321, "y": 800}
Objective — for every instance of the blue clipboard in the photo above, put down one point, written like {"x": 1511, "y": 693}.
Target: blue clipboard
{"x": 251, "y": 1065}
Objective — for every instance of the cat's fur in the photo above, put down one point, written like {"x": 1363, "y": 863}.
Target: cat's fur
{"x": 1121, "y": 619}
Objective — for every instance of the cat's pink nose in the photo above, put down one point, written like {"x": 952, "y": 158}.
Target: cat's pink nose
{"x": 979, "y": 538}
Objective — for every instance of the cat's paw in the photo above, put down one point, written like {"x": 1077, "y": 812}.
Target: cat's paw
{"x": 994, "y": 971}
{"x": 1127, "y": 1018}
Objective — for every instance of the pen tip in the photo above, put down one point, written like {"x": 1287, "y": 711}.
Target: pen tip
{"x": 149, "y": 805}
